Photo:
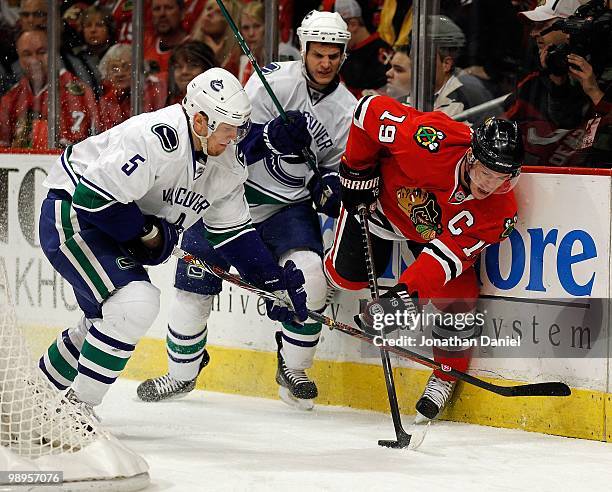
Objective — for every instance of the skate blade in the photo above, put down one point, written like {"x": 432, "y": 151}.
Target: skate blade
{"x": 418, "y": 431}
{"x": 286, "y": 396}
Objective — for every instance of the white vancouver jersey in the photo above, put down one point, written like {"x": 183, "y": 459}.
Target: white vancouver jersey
{"x": 274, "y": 182}
{"x": 150, "y": 160}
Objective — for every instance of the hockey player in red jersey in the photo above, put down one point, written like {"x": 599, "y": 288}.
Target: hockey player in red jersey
{"x": 443, "y": 188}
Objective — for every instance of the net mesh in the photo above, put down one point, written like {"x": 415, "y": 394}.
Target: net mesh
{"x": 36, "y": 419}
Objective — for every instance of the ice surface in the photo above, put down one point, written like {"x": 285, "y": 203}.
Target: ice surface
{"x": 213, "y": 441}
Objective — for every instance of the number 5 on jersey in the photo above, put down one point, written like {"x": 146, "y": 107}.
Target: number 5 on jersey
{"x": 129, "y": 167}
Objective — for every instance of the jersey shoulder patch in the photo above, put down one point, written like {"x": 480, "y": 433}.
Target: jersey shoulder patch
{"x": 168, "y": 136}
{"x": 270, "y": 67}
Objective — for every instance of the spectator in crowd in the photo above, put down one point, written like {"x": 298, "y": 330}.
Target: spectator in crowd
{"x": 98, "y": 33}
{"x": 122, "y": 16}
{"x": 495, "y": 40}
{"x": 168, "y": 33}
{"x": 594, "y": 147}
{"x": 454, "y": 92}
{"x": 367, "y": 55}
{"x": 252, "y": 28}
{"x": 9, "y": 15}
{"x": 212, "y": 29}
{"x": 396, "y": 22}
{"x": 116, "y": 69}
{"x": 23, "y": 109}
{"x": 548, "y": 133}
{"x": 33, "y": 15}
{"x": 71, "y": 38}
{"x": 192, "y": 11}
{"x": 187, "y": 60}
{"x": 399, "y": 75}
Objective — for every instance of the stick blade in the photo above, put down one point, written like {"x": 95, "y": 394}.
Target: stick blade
{"x": 542, "y": 389}
{"x": 402, "y": 441}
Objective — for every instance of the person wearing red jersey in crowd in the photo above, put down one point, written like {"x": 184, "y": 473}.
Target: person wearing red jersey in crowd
{"x": 114, "y": 105}
{"x": 192, "y": 11}
{"x": 23, "y": 109}
{"x": 188, "y": 60}
{"x": 252, "y": 28}
{"x": 168, "y": 33}
{"x": 122, "y": 15}
{"x": 368, "y": 55}
{"x": 212, "y": 28}
{"x": 442, "y": 188}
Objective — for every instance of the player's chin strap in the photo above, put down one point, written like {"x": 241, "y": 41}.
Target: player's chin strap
{"x": 203, "y": 140}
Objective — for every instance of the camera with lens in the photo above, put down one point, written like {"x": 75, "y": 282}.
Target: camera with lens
{"x": 590, "y": 36}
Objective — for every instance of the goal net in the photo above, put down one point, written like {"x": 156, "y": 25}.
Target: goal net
{"x": 41, "y": 431}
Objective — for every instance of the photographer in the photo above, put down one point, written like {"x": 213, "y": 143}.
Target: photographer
{"x": 560, "y": 107}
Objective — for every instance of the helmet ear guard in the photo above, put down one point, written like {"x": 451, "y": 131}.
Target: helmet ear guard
{"x": 498, "y": 145}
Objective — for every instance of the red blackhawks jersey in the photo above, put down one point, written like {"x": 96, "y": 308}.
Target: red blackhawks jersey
{"x": 421, "y": 197}
{"x": 24, "y": 114}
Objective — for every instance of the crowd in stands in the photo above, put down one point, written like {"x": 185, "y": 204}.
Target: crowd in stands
{"x": 484, "y": 50}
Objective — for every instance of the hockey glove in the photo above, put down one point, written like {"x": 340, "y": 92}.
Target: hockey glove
{"x": 396, "y": 308}
{"x": 154, "y": 227}
{"x": 359, "y": 187}
{"x": 288, "y": 286}
{"x": 287, "y": 138}
{"x": 328, "y": 205}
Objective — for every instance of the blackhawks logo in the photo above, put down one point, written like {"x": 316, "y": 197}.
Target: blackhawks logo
{"x": 75, "y": 88}
{"x": 422, "y": 209}
{"x": 508, "y": 226}
{"x": 429, "y": 138}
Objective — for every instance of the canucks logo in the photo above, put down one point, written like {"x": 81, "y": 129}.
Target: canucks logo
{"x": 216, "y": 85}
{"x": 429, "y": 138}
{"x": 509, "y": 224}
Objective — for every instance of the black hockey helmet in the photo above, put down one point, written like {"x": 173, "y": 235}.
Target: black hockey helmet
{"x": 498, "y": 144}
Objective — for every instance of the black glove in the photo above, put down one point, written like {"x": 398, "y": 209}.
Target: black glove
{"x": 287, "y": 138}
{"x": 359, "y": 187}
{"x": 396, "y": 300}
{"x": 288, "y": 285}
{"x": 137, "y": 250}
{"x": 325, "y": 202}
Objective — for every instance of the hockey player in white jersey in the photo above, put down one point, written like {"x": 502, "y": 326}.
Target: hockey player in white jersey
{"x": 281, "y": 190}
{"x": 118, "y": 201}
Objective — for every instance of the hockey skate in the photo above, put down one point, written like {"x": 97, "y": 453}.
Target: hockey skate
{"x": 166, "y": 387}
{"x": 434, "y": 398}
{"x": 295, "y": 388}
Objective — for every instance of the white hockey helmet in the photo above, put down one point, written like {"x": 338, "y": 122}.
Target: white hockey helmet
{"x": 323, "y": 27}
{"x": 219, "y": 95}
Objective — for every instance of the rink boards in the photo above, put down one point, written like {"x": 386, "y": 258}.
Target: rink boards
{"x": 548, "y": 284}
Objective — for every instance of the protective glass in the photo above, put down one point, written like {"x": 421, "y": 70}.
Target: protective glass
{"x": 489, "y": 181}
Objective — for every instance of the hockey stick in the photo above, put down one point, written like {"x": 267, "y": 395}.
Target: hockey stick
{"x": 536, "y": 389}
{"x": 249, "y": 54}
{"x": 402, "y": 437}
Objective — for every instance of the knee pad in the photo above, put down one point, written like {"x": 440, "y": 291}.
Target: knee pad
{"x": 312, "y": 268}
{"x": 189, "y": 312}
{"x": 130, "y": 311}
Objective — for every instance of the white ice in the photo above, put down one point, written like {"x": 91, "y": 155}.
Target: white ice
{"x": 213, "y": 441}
